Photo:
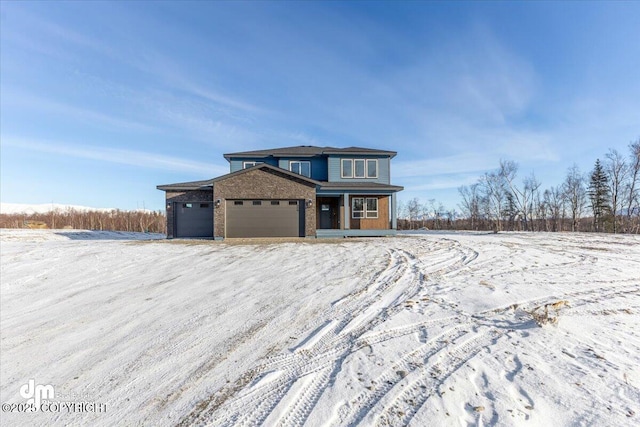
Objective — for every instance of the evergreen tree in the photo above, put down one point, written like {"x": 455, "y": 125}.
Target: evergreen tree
{"x": 598, "y": 194}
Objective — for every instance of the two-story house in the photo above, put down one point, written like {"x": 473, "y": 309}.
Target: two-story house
{"x": 302, "y": 191}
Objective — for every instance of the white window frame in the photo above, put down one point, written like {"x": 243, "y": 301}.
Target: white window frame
{"x": 300, "y": 162}
{"x": 353, "y": 168}
{"x": 364, "y": 168}
{"x": 342, "y": 174}
{"x": 249, "y": 164}
{"x": 365, "y": 213}
{"x": 367, "y": 168}
{"x": 361, "y": 213}
{"x": 370, "y": 213}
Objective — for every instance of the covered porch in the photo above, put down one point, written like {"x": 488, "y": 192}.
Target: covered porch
{"x": 355, "y": 213}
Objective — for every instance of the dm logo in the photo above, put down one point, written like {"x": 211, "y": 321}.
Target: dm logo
{"x": 36, "y": 393}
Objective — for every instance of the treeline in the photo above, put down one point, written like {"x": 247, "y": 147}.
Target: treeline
{"x": 606, "y": 199}
{"x": 114, "y": 220}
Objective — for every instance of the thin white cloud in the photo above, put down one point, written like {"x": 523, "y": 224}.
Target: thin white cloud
{"x": 176, "y": 77}
{"x": 115, "y": 155}
{"x": 38, "y": 103}
{"x": 49, "y": 37}
{"x": 211, "y": 95}
{"x": 432, "y": 166}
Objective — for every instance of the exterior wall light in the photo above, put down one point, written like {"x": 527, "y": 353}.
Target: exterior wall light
{"x": 309, "y": 203}
{"x": 217, "y": 203}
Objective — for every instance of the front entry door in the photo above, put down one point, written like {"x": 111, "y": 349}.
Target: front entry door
{"x": 328, "y": 208}
{"x": 326, "y": 216}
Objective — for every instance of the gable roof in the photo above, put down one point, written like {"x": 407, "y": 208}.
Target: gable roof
{"x": 269, "y": 168}
{"x": 208, "y": 184}
{"x": 192, "y": 185}
{"x": 308, "y": 151}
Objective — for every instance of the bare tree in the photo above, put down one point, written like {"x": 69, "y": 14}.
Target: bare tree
{"x": 401, "y": 211}
{"x": 424, "y": 213}
{"x": 616, "y": 170}
{"x": 494, "y": 194}
{"x": 575, "y": 195}
{"x": 554, "y": 199}
{"x": 470, "y": 204}
{"x": 632, "y": 193}
{"x": 531, "y": 196}
{"x": 413, "y": 209}
{"x": 522, "y": 199}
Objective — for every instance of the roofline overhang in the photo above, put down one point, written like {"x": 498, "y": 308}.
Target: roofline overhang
{"x": 228, "y": 157}
{"x": 351, "y": 189}
{"x": 169, "y": 187}
{"x": 323, "y": 151}
{"x": 391, "y": 154}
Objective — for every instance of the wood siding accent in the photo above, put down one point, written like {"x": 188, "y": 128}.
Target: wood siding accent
{"x": 380, "y": 223}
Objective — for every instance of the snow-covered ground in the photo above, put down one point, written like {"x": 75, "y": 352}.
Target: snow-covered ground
{"x": 430, "y": 329}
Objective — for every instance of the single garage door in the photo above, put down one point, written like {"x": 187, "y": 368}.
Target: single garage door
{"x": 194, "y": 219}
{"x": 264, "y": 218}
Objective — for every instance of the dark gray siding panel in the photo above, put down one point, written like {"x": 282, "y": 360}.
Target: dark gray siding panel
{"x": 175, "y": 197}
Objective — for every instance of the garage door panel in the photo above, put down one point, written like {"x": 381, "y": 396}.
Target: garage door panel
{"x": 263, "y": 218}
{"x": 194, "y": 219}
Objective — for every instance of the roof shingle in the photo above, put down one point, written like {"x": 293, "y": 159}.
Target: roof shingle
{"x": 308, "y": 151}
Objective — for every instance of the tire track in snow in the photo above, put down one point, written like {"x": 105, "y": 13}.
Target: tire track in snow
{"x": 344, "y": 328}
{"x": 400, "y": 279}
{"x": 402, "y": 409}
{"x": 389, "y": 378}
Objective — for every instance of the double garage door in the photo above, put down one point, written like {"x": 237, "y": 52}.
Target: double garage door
{"x": 264, "y": 218}
{"x": 194, "y": 219}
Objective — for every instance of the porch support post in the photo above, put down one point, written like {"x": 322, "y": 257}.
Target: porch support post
{"x": 394, "y": 219}
{"x": 347, "y": 215}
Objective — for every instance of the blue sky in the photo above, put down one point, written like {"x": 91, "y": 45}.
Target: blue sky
{"x": 101, "y": 102}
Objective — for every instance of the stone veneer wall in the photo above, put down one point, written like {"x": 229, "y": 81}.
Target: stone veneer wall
{"x": 263, "y": 184}
{"x": 183, "y": 196}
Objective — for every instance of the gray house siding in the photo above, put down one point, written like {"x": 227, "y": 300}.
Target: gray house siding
{"x": 237, "y": 163}
{"x": 334, "y": 174}
{"x": 318, "y": 166}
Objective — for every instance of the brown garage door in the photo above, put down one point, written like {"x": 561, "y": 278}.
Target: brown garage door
{"x": 264, "y": 218}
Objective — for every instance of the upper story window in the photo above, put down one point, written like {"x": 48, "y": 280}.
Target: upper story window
{"x": 302, "y": 167}
{"x": 372, "y": 168}
{"x": 347, "y": 168}
{"x": 249, "y": 164}
{"x": 359, "y": 168}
